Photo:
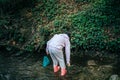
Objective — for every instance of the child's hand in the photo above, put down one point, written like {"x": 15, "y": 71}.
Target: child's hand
{"x": 68, "y": 64}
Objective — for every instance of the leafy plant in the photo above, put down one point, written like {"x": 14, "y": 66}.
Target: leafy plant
{"x": 78, "y": 1}
{"x": 48, "y": 8}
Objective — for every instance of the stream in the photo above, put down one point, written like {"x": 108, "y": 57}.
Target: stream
{"x": 28, "y": 66}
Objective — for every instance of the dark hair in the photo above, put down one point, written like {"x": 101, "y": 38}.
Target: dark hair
{"x": 68, "y": 33}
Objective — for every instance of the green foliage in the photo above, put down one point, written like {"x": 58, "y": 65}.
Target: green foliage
{"x": 108, "y": 8}
{"x": 86, "y": 26}
{"x": 87, "y": 33}
{"x": 78, "y": 1}
{"x": 12, "y": 34}
{"x": 116, "y": 30}
{"x": 63, "y": 24}
{"x": 29, "y": 47}
{"x": 45, "y": 32}
{"x": 7, "y": 31}
{"x": 4, "y": 20}
{"x": 114, "y": 45}
{"x": 47, "y": 7}
{"x": 39, "y": 39}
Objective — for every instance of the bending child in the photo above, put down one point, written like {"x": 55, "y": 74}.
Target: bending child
{"x": 55, "y": 48}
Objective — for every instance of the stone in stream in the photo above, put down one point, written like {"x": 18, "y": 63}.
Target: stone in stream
{"x": 114, "y": 77}
{"x": 91, "y": 63}
{"x": 5, "y": 77}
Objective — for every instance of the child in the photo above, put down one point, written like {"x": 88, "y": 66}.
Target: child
{"x": 55, "y": 48}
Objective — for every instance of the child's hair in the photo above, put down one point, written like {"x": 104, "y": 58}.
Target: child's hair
{"x": 68, "y": 33}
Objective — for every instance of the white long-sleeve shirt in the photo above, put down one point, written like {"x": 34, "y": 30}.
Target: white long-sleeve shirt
{"x": 59, "y": 41}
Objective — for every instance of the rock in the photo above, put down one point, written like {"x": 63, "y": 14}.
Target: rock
{"x": 91, "y": 63}
{"x": 114, "y": 77}
{"x": 108, "y": 66}
{"x": 7, "y": 76}
{"x": 2, "y": 77}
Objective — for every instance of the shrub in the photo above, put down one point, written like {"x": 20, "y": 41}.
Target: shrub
{"x": 47, "y": 7}
{"x": 87, "y": 34}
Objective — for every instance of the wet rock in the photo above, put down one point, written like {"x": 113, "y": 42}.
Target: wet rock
{"x": 6, "y": 77}
{"x": 114, "y": 77}
{"x": 2, "y": 77}
{"x": 91, "y": 63}
{"x": 99, "y": 72}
